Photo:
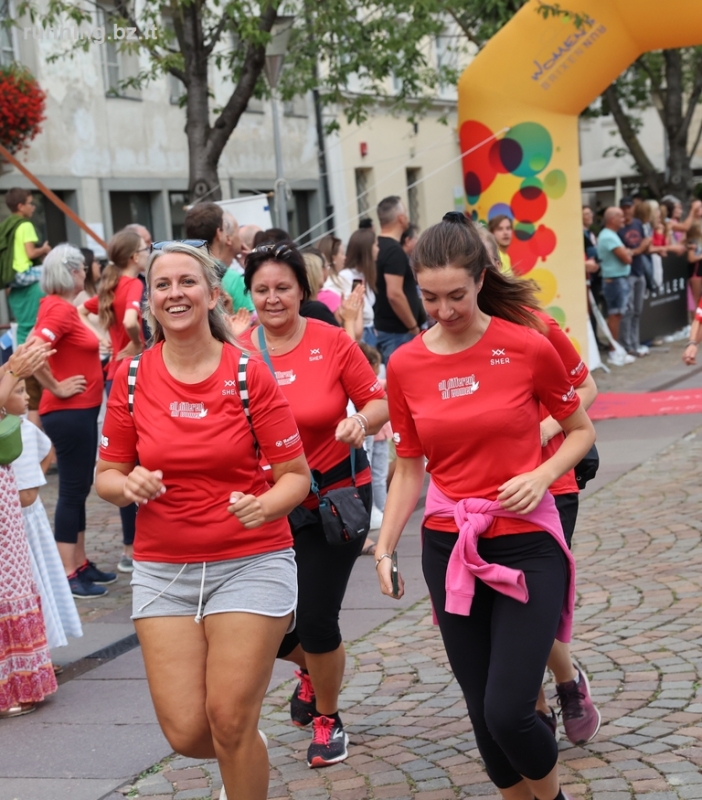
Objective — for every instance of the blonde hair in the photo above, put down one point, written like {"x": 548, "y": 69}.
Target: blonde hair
{"x": 314, "y": 264}
{"x": 217, "y": 316}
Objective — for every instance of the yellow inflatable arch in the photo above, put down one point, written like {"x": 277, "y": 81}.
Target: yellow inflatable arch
{"x": 518, "y": 106}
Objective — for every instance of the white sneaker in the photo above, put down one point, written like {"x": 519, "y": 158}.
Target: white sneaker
{"x": 619, "y": 359}
{"x": 376, "y": 519}
{"x": 642, "y": 350}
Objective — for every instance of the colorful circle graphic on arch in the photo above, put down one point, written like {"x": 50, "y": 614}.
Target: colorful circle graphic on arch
{"x": 514, "y": 167}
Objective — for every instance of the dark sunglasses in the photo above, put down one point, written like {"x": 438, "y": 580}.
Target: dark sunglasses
{"x": 197, "y": 243}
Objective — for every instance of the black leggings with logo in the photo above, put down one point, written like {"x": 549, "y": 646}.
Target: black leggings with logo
{"x": 498, "y": 653}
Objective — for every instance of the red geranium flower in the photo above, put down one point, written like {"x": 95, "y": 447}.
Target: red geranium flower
{"x": 21, "y": 107}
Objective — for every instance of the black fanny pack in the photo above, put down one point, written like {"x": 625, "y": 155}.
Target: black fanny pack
{"x": 586, "y": 469}
{"x": 343, "y": 514}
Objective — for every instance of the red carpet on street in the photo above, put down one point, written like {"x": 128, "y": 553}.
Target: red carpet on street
{"x": 653, "y": 404}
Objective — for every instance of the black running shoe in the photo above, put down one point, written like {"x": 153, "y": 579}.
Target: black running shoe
{"x": 91, "y": 573}
{"x": 303, "y": 704}
{"x": 550, "y": 721}
{"x": 329, "y": 743}
{"x": 82, "y": 589}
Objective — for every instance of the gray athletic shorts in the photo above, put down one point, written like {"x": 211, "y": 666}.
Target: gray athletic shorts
{"x": 265, "y": 584}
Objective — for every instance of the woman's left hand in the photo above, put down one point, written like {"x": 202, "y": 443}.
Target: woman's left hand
{"x": 523, "y": 493}
{"x": 350, "y": 431}
{"x": 28, "y": 358}
{"x": 247, "y": 509}
{"x": 351, "y": 306}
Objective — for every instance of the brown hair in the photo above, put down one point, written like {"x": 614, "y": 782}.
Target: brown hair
{"x": 359, "y": 255}
{"x": 120, "y": 249}
{"x": 202, "y": 221}
{"x": 643, "y": 212}
{"x": 16, "y": 197}
{"x": 496, "y": 221}
{"x": 455, "y": 242}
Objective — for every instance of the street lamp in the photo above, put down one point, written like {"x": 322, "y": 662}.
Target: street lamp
{"x": 275, "y": 54}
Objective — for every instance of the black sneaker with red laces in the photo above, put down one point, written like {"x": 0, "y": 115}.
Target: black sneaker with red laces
{"x": 303, "y": 703}
{"x": 329, "y": 742}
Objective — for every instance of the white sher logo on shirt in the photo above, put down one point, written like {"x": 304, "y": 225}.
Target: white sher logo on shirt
{"x": 316, "y": 354}
{"x": 458, "y": 387}
{"x": 188, "y": 410}
{"x": 499, "y": 357}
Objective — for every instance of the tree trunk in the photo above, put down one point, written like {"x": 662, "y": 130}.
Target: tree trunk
{"x": 678, "y": 179}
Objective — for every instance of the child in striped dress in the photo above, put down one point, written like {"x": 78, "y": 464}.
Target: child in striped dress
{"x": 57, "y": 604}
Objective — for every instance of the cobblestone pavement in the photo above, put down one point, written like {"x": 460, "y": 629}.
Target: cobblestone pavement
{"x": 638, "y": 635}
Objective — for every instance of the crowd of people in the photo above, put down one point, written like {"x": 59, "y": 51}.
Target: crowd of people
{"x": 624, "y": 262}
{"x": 268, "y": 406}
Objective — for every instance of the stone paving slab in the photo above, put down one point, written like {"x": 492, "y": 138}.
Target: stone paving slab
{"x": 638, "y": 635}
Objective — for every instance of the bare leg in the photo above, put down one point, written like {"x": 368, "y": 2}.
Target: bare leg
{"x": 327, "y": 673}
{"x": 613, "y": 321}
{"x": 547, "y": 788}
{"x": 561, "y": 664}
{"x": 80, "y": 556}
{"x": 297, "y": 656}
{"x": 68, "y": 557}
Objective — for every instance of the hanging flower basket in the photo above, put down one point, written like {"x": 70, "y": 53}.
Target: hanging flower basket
{"x": 21, "y": 107}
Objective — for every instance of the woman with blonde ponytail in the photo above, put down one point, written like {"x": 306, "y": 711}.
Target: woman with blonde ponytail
{"x": 118, "y": 306}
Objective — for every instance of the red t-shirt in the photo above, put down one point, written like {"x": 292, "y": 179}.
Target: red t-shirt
{"x": 577, "y": 372}
{"x": 77, "y": 353}
{"x": 198, "y": 435}
{"x": 475, "y": 414}
{"x": 318, "y": 377}
{"x": 127, "y": 295}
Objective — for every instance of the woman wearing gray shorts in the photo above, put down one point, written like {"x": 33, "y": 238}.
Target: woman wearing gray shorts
{"x": 214, "y": 574}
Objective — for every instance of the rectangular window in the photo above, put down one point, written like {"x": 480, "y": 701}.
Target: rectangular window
{"x": 7, "y": 48}
{"x": 364, "y": 181}
{"x": 178, "y": 201}
{"x": 129, "y": 207}
{"x": 414, "y": 174}
{"x": 117, "y": 64}
{"x": 297, "y": 107}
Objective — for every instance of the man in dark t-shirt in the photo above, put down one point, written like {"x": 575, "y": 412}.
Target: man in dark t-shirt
{"x": 633, "y": 235}
{"x": 397, "y": 304}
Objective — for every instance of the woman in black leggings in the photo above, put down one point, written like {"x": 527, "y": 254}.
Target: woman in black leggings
{"x": 499, "y": 572}
{"x": 69, "y": 411}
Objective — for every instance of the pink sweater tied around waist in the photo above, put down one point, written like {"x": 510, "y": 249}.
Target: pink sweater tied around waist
{"x": 473, "y": 516}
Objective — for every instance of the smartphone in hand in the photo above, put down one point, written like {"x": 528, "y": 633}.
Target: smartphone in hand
{"x": 356, "y": 282}
{"x": 395, "y": 576}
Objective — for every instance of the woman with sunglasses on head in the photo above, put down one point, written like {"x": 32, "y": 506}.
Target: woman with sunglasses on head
{"x": 500, "y": 575}
{"x": 69, "y": 411}
{"x": 214, "y": 573}
{"x": 118, "y": 306}
{"x": 319, "y": 369}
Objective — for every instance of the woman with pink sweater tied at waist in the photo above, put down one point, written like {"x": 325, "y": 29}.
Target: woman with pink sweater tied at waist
{"x": 465, "y": 394}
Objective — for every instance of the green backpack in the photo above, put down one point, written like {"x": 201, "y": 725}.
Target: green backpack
{"x": 7, "y": 251}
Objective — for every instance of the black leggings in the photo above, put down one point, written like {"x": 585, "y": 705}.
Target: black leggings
{"x": 75, "y": 437}
{"x": 498, "y": 653}
{"x": 567, "y": 506}
{"x": 323, "y": 572}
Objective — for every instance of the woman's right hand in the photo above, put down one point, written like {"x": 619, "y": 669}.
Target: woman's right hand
{"x": 690, "y": 355}
{"x": 142, "y": 485}
{"x": 70, "y": 386}
{"x": 352, "y": 305}
{"x": 28, "y": 358}
{"x": 384, "y": 570}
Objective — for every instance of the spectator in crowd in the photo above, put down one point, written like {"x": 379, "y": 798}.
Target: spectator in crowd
{"x": 69, "y": 411}
{"x": 319, "y": 371}
{"x": 270, "y": 236}
{"x": 397, "y": 304}
{"x": 408, "y": 240}
{"x": 615, "y": 260}
{"x": 246, "y": 237}
{"x": 634, "y": 238}
{"x": 483, "y": 511}
{"x": 93, "y": 273}
{"x": 365, "y": 222}
{"x": 332, "y": 248}
{"x": 360, "y": 265}
{"x": 26, "y": 676}
{"x": 142, "y": 231}
{"x": 213, "y": 544}
{"x": 350, "y": 307}
{"x": 118, "y": 306}
{"x": 57, "y": 606}
{"x": 500, "y": 226}
{"x": 25, "y": 290}
{"x": 593, "y": 279}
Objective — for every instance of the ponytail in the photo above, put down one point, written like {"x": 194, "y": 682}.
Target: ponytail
{"x": 120, "y": 249}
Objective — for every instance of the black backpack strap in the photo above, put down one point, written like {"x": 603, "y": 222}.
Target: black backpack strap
{"x": 131, "y": 381}
{"x": 244, "y": 393}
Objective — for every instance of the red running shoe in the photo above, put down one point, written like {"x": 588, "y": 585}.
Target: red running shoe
{"x": 329, "y": 743}
{"x": 581, "y": 719}
{"x": 303, "y": 703}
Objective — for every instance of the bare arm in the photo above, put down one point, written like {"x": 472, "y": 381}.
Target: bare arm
{"x": 623, "y": 254}
{"x": 399, "y": 303}
{"x": 34, "y": 252}
{"x": 403, "y": 495}
{"x": 354, "y": 429}
{"x": 690, "y": 354}
{"x": 587, "y": 392}
{"x": 643, "y": 247}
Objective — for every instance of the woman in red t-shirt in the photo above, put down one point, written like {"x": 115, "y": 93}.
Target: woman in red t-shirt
{"x": 467, "y": 394}
{"x": 118, "y": 306}
{"x": 213, "y": 543}
{"x": 69, "y": 411}
{"x": 319, "y": 369}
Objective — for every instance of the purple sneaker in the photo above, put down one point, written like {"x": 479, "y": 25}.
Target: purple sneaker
{"x": 581, "y": 719}
{"x": 550, "y": 721}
